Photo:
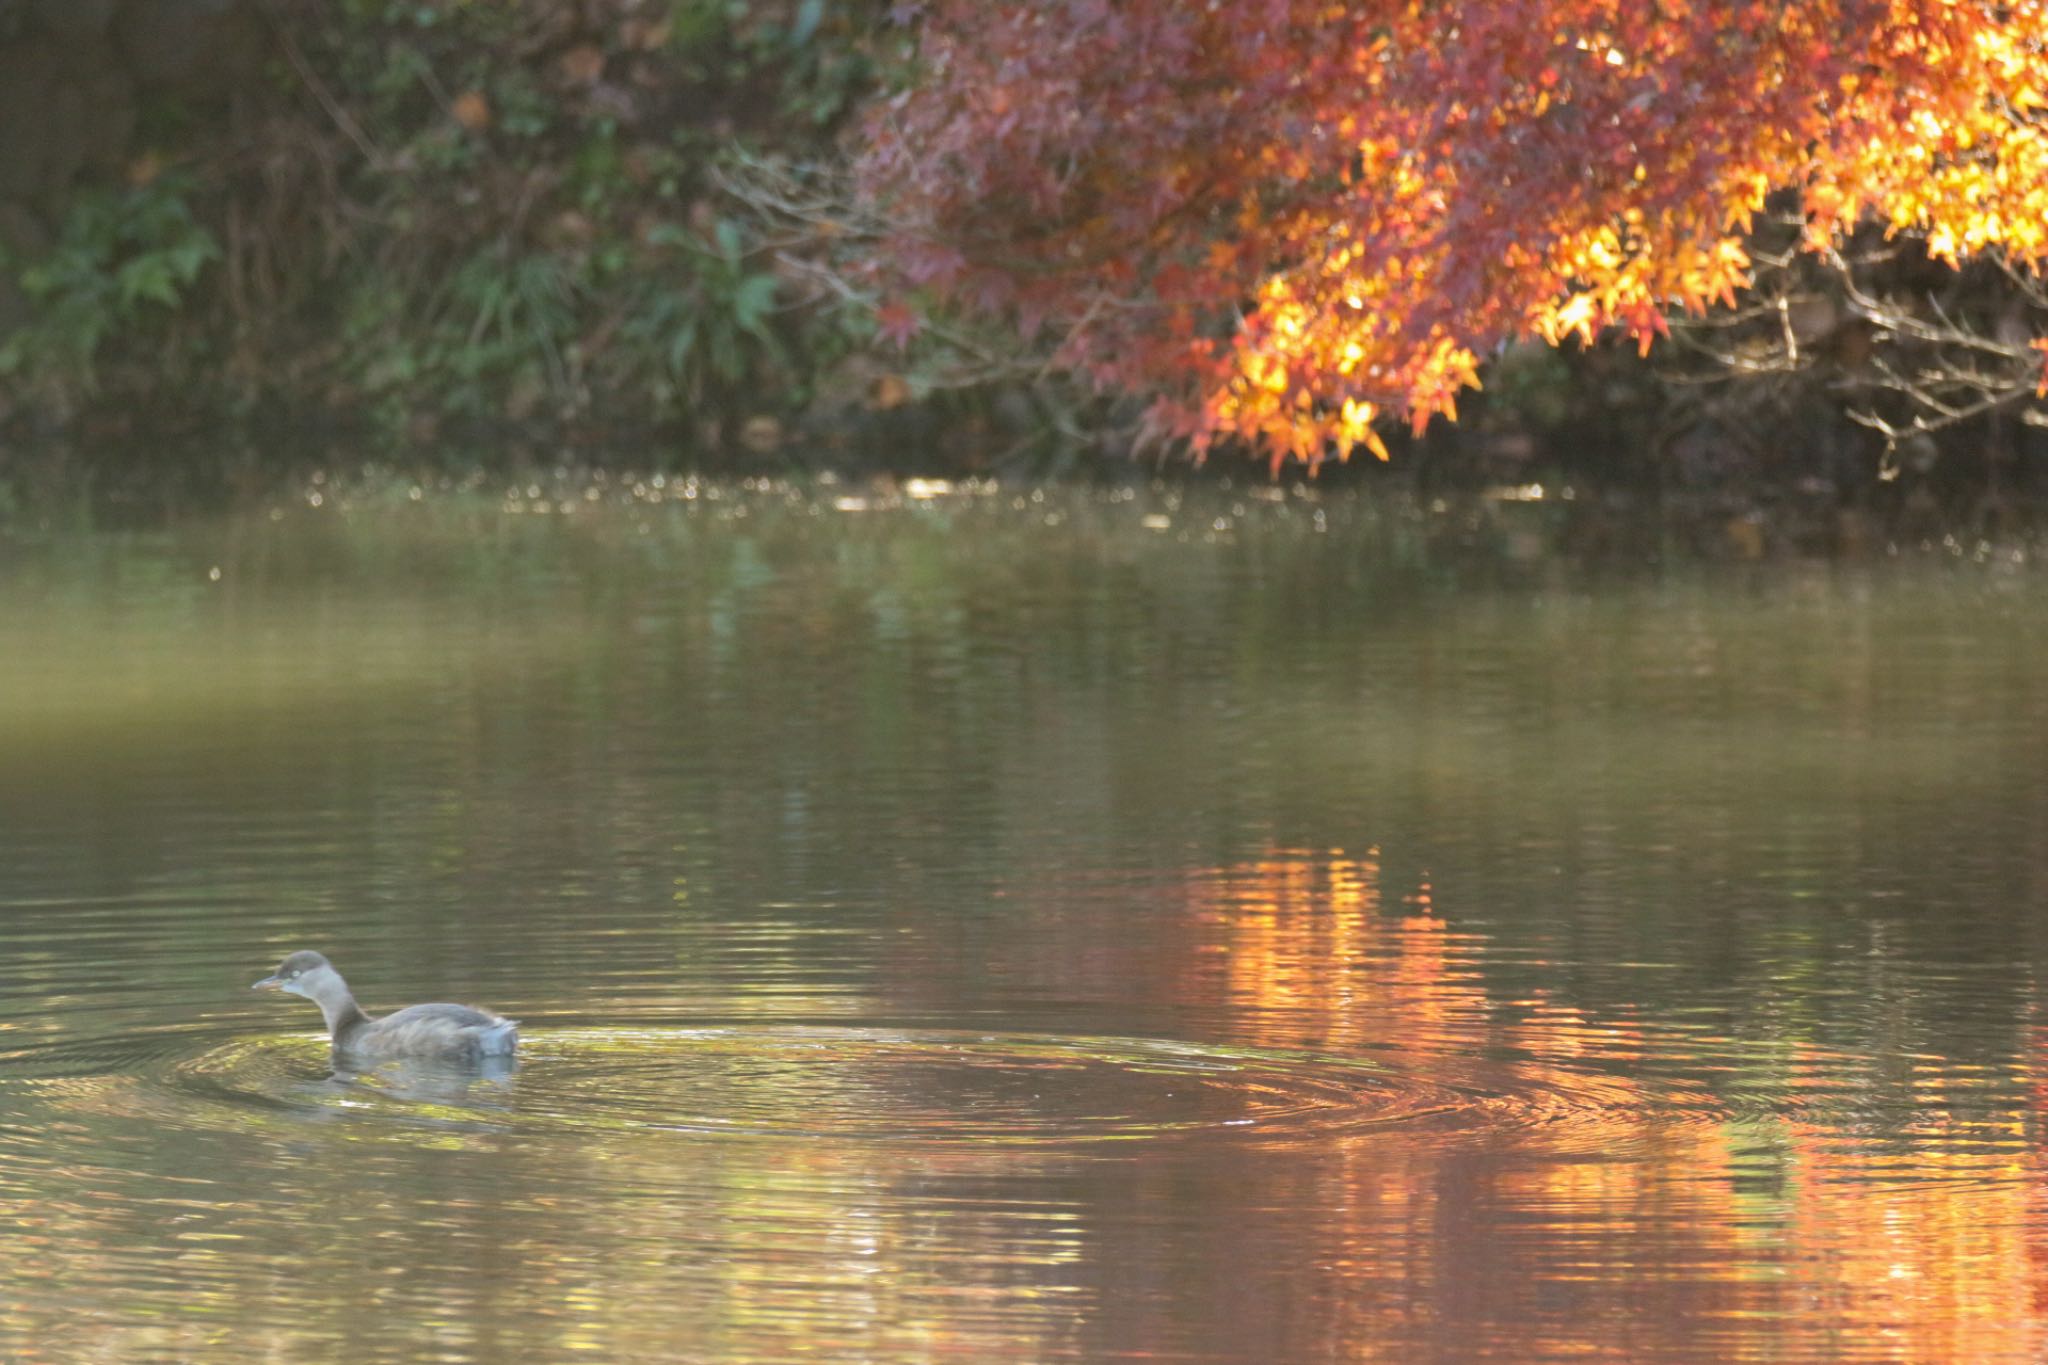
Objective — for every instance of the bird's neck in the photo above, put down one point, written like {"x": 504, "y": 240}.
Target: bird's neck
{"x": 341, "y": 1012}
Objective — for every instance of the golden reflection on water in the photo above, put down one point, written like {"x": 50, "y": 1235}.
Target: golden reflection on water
{"x": 1942, "y": 1251}
{"x": 622, "y": 1245}
{"x": 1617, "y": 1188}
{"x": 1897, "y": 1234}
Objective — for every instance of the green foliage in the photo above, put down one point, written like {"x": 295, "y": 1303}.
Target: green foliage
{"x": 525, "y": 109}
{"x": 710, "y": 326}
{"x": 549, "y": 245}
{"x": 824, "y": 74}
{"x": 124, "y": 262}
{"x": 500, "y": 331}
{"x": 701, "y": 334}
{"x": 807, "y": 55}
{"x": 497, "y": 210}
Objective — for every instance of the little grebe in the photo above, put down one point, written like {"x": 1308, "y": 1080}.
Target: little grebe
{"x": 450, "y": 1033}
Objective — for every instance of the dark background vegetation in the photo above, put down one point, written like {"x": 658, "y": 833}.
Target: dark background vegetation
{"x": 243, "y": 233}
{"x": 413, "y": 221}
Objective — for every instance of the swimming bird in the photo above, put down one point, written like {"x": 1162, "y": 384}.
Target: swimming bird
{"x": 445, "y": 1033}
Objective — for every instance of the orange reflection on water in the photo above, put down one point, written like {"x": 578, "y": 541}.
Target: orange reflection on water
{"x": 1931, "y": 1230}
{"x": 1767, "y": 1191}
{"x": 1942, "y": 1252}
{"x": 1309, "y": 954}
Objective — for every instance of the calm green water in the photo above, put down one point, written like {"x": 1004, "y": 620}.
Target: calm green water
{"x": 992, "y": 927}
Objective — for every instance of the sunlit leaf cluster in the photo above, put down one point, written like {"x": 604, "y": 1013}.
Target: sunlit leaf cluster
{"x": 1288, "y": 219}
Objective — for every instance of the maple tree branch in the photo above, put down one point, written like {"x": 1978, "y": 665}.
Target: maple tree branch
{"x": 815, "y": 227}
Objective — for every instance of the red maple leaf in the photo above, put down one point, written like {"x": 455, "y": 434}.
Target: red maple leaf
{"x": 897, "y": 323}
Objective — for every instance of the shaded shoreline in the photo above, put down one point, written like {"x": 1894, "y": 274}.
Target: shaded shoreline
{"x": 1445, "y": 517}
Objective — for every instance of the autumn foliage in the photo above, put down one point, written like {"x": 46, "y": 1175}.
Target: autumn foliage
{"x": 1289, "y": 218}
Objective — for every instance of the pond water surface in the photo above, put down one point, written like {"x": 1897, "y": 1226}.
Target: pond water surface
{"x": 974, "y": 926}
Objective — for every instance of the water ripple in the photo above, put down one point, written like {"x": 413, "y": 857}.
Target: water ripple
{"x": 866, "y": 1084}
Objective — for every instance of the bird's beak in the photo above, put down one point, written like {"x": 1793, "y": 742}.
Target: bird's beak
{"x": 269, "y": 983}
